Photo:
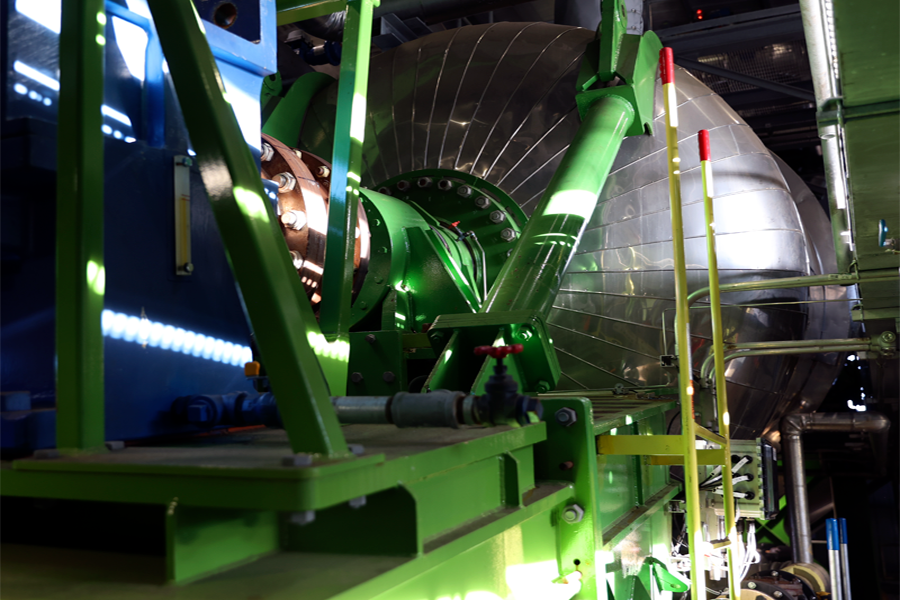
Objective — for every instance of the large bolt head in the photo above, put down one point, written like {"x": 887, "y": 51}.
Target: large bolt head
{"x": 751, "y": 585}
{"x": 482, "y": 202}
{"x": 423, "y": 182}
{"x": 464, "y": 191}
{"x": 566, "y": 416}
{"x": 777, "y": 594}
{"x": 508, "y": 234}
{"x": 498, "y": 216}
{"x": 573, "y": 514}
{"x": 356, "y": 377}
{"x": 445, "y": 185}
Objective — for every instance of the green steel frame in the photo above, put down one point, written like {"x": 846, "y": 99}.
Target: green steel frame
{"x": 80, "y": 272}
{"x": 286, "y": 331}
{"x": 447, "y": 499}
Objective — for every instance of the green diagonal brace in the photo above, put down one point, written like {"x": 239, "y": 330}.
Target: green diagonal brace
{"x": 277, "y": 307}
{"x": 666, "y": 581}
{"x": 346, "y": 163}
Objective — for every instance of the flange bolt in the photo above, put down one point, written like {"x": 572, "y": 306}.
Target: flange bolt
{"x": 508, "y": 234}
{"x": 464, "y": 191}
{"x": 482, "y": 202}
{"x": 404, "y": 185}
{"x": 423, "y": 182}
{"x": 498, "y": 216}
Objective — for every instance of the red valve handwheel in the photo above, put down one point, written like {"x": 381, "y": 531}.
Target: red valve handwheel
{"x": 498, "y": 351}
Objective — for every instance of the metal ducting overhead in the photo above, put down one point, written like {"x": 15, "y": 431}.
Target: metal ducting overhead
{"x": 498, "y": 102}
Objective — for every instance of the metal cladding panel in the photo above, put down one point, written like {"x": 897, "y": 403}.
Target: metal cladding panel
{"x": 498, "y": 101}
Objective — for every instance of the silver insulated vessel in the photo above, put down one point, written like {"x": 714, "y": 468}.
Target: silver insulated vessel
{"x": 498, "y": 101}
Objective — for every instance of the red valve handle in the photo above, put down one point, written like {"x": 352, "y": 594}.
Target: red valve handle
{"x": 498, "y": 351}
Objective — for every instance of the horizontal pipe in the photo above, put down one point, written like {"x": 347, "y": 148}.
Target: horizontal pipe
{"x": 793, "y": 426}
{"x": 798, "y": 344}
{"x": 708, "y": 362}
{"x": 799, "y": 282}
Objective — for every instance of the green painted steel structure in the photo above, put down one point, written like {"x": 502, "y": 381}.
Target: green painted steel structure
{"x": 80, "y": 274}
{"x": 561, "y": 508}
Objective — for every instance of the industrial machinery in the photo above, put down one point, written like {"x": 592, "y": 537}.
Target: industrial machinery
{"x": 422, "y": 330}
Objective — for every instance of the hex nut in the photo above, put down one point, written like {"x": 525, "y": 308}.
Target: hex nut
{"x": 423, "y": 182}
{"x": 566, "y": 416}
{"x": 389, "y": 377}
{"x": 303, "y": 517}
{"x": 464, "y": 191}
{"x": 482, "y": 202}
{"x": 357, "y": 502}
{"x": 777, "y": 594}
{"x": 286, "y": 182}
{"x": 356, "y": 377}
{"x": 371, "y": 339}
{"x": 404, "y": 185}
{"x": 267, "y": 152}
{"x": 323, "y": 171}
{"x": 508, "y": 234}
{"x": 384, "y": 190}
{"x": 498, "y": 216}
{"x": 356, "y": 449}
{"x": 751, "y": 585}
{"x": 445, "y": 185}
{"x": 573, "y": 514}
{"x": 297, "y": 460}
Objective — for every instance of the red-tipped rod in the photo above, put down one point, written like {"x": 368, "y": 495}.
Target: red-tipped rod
{"x": 667, "y": 74}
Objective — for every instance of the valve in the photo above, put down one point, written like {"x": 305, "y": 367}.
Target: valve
{"x": 502, "y": 401}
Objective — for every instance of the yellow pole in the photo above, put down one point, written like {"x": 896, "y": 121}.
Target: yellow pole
{"x": 682, "y": 333}
{"x": 718, "y": 336}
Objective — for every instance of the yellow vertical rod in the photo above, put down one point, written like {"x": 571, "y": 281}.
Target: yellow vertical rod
{"x": 718, "y": 337}
{"x": 682, "y": 332}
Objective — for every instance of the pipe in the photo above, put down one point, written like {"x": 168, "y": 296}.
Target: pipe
{"x": 531, "y": 277}
{"x": 793, "y": 426}
{"x": 819, "y": 33}
{"x": 823, "y": 346}
{"x": 798, "y": 282}
{"x": 845, "y": 559}
{"x": 834, "y": 558}
{"x": 331, "y": 27}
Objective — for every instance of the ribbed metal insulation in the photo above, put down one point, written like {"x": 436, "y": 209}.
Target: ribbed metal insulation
{"x": 498, "y": 101}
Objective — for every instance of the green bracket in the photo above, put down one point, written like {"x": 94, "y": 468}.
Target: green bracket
{"x": 456, "y": 336}
{"x": 620, "y": 64}
{"x": 270, "y": 95}
{"x": 666, "y": 581}
{"x": 613, "y": 25}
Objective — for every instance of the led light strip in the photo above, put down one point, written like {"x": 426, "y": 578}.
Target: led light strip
{"x": 142, "y": 330}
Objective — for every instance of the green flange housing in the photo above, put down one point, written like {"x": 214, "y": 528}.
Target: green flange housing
{"x": 438, "y": 241}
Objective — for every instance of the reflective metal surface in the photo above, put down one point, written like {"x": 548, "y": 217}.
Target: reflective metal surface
{"x": 498, "y": 101}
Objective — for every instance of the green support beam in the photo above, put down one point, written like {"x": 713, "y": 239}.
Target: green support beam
{"x": 80, "y": 272}
{"x": 291, "y": 11}
{"x": 282, "y": 320}
{"x": 346, "y": 169}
